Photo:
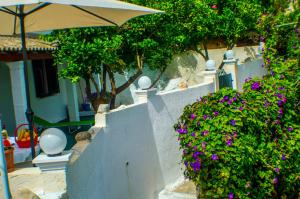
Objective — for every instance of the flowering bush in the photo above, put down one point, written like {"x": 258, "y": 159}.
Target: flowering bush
{"x": 243, "y": 145}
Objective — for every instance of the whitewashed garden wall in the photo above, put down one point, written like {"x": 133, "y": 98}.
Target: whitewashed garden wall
{"x": 134, "y": 153}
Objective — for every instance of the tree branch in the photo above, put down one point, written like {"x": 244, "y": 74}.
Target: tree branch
{"x": 130, "y": 81}
{"x": 158, "y": 77}
{"x": 206, "y": 50}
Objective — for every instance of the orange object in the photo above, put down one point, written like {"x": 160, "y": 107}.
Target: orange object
{"x": 24, "y": 143}
{"x": 6, "y": 143}
{"x": 9, "y": 156}
{"x": 27, "y": 134}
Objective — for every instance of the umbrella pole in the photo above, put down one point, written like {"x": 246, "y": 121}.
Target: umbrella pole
{"x": 29, "y": 113}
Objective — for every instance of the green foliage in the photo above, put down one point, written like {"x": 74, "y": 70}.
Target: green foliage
{"x": 243, "y": 143}
{"x": 281, "y": 33}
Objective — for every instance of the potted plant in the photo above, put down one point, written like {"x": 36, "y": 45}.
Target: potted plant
{"x": 8, "y": 150}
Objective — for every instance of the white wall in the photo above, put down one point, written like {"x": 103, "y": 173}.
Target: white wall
{"x": 250, "y": 69}
{"x": 52, "y": 108}
{"x": 141, "y": 135}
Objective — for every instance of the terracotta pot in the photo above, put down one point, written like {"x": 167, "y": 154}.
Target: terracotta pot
{"x": 9, "y": 156}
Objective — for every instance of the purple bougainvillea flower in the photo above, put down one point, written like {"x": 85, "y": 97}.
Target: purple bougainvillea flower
{"x": 277, "y": 121}
{"x": 193, "y": 116}
{"x": 275, "y": 180}
{"x": 230, "y": 196}
{"x": 193, "y": 134}
{"x": 233, "y": 122}
{"x": 214, "y": 157}
{"x": 241, "y": 108}
{"x": 196, "y": 165}
{"x": 278, "y": 95}
{"x": 234, "y": 134}
{"x": 255, "y": 86}
{"x": 243, "y": 102}
{"x": 277, "y": 170}
{"x": 184, "y": 151}
{"x": 203, "y": 144}
{"x": 226, "y": 98}
{"x": 204, "y": 117}
{"x": 216, "y": 113}
{"x": 229, "y": 142}
{"x": 283, "y": 157}
{"x": 266, "y": 104}
{"x": 189, "y": 144}
{"x": 186, "y": 164}
{"x": 182, "y": 131}
{"x": 280, "y": 111}
{"x": 230, "y": 102}
{"x": 280, "y": 103}
{"x": 284, "y": 100}
{"x": 290, "y": 129}
{"x": 222, "y": 101}
{"x": 281, "y": 88}
{"x": 263, "y": 65}
{"x": 198, "y": 123}
{"x": 272, "y": 73}
{"x": 204, "y": 133}
{"x": 234, "y": 98}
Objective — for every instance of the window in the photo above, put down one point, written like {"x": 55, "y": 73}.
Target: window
{"x": 45, "y": 77}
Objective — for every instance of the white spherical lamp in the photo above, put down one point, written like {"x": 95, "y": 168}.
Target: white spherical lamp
{"x": 144, "y": 82}
{"x": 229, "y": 54}
{"x": 53, "y": 141}
{"x": 210, "y": 65}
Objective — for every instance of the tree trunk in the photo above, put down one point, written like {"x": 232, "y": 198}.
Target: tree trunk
{"x": 206, "y": 51}
{"x": 129, "y": 82}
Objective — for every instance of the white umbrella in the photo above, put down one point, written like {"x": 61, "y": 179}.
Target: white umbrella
{"x": 21, "y": 16}
{"x": 41, "y": 15}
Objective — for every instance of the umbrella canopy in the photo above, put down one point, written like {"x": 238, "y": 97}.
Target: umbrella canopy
{"x": 42, "y": 15}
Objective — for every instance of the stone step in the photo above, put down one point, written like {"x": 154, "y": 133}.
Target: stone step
{"x": 182, "y": 189}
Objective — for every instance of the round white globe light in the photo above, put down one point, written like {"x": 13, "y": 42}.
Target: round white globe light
{"x": 211, "y": 65}
{"x": 53, "y": 141}
{"x": 229, "y": 54}
{"x": 144, "y": 82}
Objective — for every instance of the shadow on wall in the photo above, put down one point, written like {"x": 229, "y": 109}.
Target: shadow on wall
{"x": 250, "y": 52}
{"x": 121, "y": 161}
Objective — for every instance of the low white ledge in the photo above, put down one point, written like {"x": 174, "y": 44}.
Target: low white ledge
{"x": 52, "y": 163}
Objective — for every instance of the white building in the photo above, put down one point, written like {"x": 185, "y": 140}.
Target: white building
{"x": 52, "y": 99}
